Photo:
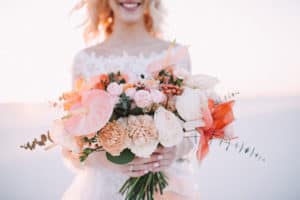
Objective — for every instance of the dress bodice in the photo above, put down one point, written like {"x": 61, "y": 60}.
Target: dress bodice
{"x": 88, "y": 64}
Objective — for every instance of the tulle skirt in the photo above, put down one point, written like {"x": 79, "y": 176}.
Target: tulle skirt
{"x": 103, "y": 184}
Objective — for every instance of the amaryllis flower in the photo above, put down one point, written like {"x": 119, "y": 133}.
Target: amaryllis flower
{"x": 142, "y": 135}
{"x": 201, "y": 81}
{"x": 92, "y": 114}
{"x": 190, "y": 103}
{"x": 157, "y": 96}
{"x": 169, "y": 127}
{"x": 61, "y": 137}
{"x": 142, "y": 98}
{"x": 112, "y": 137}
{"x": 114, "y": 89}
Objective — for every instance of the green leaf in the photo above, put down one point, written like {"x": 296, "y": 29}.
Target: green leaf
{"x": 125, "y": 157}
{"x": 136, "y": 111}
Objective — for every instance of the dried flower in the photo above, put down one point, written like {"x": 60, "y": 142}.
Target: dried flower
{"x": 170, "y": 89}
{"x": 112, "y": 137}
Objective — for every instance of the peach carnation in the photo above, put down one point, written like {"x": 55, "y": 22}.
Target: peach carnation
{"x": 112, "y": 138}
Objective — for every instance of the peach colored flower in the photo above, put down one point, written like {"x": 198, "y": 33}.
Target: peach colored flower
{"x": 157, "y": 96}
{"x": 92, "y": 114}
{"x": 112, "y": 138}
{"x": 142, "y": 98}
{"x": 142, "y": 135}
{"x": 114, "y": 89}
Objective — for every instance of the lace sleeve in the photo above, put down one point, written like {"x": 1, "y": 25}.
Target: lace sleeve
{"x": 186, "y": 63}
{"x": 187, "y": 144}
{"x": 78, "y": 63}
{"x": 70, "y": 159}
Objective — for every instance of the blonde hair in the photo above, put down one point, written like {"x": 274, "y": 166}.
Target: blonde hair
{"x": 100, "y": 18}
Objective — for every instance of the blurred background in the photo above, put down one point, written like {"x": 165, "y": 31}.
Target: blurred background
{"x": 252, "y": 46}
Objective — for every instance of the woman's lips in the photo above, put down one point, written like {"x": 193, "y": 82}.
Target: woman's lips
{"x": 130, "y": 6}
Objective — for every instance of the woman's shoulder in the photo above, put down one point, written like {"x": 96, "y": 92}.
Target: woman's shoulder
{"x": 162, "y": 44}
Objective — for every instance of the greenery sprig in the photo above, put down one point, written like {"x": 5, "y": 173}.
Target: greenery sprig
{"x": 44, "y": 138}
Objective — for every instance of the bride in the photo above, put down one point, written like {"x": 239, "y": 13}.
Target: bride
{"x": 131, "y": 31}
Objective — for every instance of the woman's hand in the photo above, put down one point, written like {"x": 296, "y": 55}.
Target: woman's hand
{"x": 161, "y": 159}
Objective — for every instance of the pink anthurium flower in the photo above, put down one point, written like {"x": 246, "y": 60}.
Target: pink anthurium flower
{"x": 92, "y": 114}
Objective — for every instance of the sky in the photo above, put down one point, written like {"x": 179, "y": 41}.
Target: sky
{"x": 252, "y": 46}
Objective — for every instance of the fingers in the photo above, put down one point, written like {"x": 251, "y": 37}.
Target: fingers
{"x": 143, "y": 167}
{"x": 161, "y": 159}
{"x": 162, "y": 165}
{"x": 162, "y": 150}
{"x": 135, "y": 173}
{"x": 152, "y": 158}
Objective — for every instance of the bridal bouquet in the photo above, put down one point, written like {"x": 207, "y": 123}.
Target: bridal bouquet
{"x": 130, "y": 118}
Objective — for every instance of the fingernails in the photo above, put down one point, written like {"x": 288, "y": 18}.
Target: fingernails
{"x": 160, "y": 157}
{"x": 156, "y": 164}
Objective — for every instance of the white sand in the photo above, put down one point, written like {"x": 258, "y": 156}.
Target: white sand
{"x": 270, "y": 124}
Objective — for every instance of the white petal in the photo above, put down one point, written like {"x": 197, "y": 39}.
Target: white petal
{"x": 189, "y": 104}
{"x": 168, "y": 126}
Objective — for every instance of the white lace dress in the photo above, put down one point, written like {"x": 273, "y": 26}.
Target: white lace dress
{"x": 95, "y": 183}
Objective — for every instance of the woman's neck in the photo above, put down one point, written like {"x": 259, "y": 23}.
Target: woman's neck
{"x": 129, "y": 34}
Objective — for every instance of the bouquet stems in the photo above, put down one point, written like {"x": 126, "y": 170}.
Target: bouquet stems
{"x": 144, "y": 187}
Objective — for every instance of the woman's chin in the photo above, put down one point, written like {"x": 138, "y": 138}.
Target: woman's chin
{"x": 130, "y": 20}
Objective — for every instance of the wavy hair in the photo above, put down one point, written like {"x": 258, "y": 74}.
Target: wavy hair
{"x": 100, "y": 18}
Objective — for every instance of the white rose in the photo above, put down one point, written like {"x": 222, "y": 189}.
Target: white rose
{"x": 190, "y": 104}
{"x": 61, "y": 137}
{"x": 201, "y": 81}
{"x": 170, "y": 131}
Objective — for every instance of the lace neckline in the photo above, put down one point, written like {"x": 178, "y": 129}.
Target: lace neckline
{"x": 125, "y": 54}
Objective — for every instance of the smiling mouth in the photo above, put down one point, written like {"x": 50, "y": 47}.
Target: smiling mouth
{"x": 130, "y": 5}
